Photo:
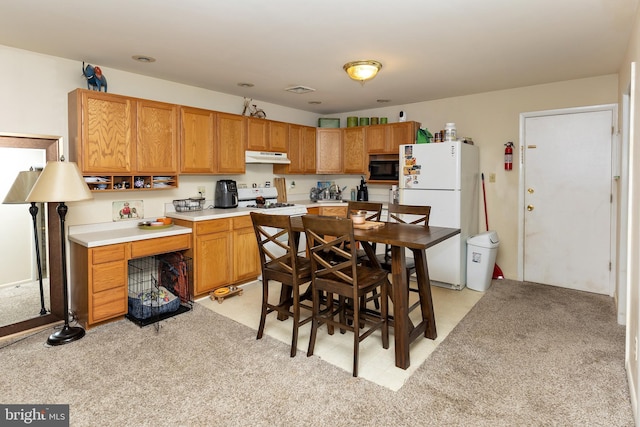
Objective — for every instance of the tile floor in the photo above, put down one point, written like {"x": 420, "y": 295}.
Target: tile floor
{"x": 376, "y": 364}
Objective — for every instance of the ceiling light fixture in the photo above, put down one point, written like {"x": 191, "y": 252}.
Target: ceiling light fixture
{"x": 143, "y": 58}
{"x": 245, "y": 84}
{"x": 362, "y": 70}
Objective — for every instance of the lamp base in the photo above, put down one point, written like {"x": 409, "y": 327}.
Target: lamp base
{"x": 66, "y": 335}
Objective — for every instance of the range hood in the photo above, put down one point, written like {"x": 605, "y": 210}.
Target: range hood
{"x": 266, "y": 157}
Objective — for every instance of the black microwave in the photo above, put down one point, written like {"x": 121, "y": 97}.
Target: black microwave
{"x": 384, "y": 169}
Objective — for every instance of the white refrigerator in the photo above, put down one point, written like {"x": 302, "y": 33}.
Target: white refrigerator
{"x": 446, "y": 177}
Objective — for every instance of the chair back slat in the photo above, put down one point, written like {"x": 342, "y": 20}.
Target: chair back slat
{"x": 409, "y": 214}
{"x": 275, "y": 230}
{"x": 373, "y": 209}
{"x": 331, "y": 246}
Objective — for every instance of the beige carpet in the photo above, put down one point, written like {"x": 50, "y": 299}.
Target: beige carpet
{"x": 376, "y": 363}
{"x": 525, "y": 355}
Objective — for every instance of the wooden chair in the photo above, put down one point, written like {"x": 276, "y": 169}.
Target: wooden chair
{"x": 280, "y": 262}
{"x": 406, "y": 214}
{"x": 341, "y": 275}
{"x": 374, "y": 210}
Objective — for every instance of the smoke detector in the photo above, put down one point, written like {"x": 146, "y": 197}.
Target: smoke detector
{"x": 300, "y": 89}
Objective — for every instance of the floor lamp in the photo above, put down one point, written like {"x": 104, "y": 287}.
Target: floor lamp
{"x": 62, "y": 182}
{"x": 18, "y": 195}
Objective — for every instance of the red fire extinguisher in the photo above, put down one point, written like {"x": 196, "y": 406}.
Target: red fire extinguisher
{"x": 508, "y": 156}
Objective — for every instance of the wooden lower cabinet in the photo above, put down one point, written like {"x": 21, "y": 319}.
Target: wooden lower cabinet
{"x": 99, "y": 282}
{"x": 224, "y": 252}
{"x": 99, "y": 276}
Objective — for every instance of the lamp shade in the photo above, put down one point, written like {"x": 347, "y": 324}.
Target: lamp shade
{"x": 60, "y": 182}
{"x": 362, "y": 70}
{"x": 21, "y": 187}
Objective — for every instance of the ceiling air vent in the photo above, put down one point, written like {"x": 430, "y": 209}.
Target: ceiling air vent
{"x": 300, "y": 89}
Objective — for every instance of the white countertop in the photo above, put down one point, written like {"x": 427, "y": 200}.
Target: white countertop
{"x": 110, "y": 233}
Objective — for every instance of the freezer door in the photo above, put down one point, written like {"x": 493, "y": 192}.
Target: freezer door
{"x": 430, "y": 166}
{"x": 445, "y": 205}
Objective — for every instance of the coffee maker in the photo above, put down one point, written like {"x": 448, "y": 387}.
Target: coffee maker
{"x": 226, "y": 194}
{"x": 363, "y": 191}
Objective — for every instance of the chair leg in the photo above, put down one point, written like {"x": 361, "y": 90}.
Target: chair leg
{"x": 263, "y": 312}
{"x": 356, "y": 337}
{"x": 384, "y": 311}
{"x": 314, "y": 323}
{"x": 296, "y": 320}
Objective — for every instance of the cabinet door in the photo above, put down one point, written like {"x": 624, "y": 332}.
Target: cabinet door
{"x": 197, "y": 132}
{"x": 257, "y": 134}
{"x": 214, "y": 263}
{"x": 157, "y": 142}
{"x": 401, "y": 133}
{"x": 294, "y": 151}
{"x": 246, "y": 259}
{"x": 376, "y": 137}
{"x": 230, "y": 143}
{"x": 278, "y": 136}
{"x": 309, "y": 150}
{"x": 355, "y": 155}
{"x": 107, "y": 133}
{"x": 329, "y": 151}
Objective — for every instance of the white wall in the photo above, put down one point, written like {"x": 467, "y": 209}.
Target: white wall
{"x": 34, "y": 90}
{"x": 34, "y": 100}
{"x": 633, "y": 234}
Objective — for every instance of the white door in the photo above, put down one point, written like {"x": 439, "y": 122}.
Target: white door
{"x": 567, "y": 207}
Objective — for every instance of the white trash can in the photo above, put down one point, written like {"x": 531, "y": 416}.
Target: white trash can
{"x": 482, "y": 250}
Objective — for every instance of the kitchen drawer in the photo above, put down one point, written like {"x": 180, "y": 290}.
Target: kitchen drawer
{"x": 108, "y": 304}
{"x": 213, "y": 226}
{"x": 108, "y": 253}
{"x": 242, "y": 222}
{"x": 109, "y": 275}
{"x": 160, "y": 245}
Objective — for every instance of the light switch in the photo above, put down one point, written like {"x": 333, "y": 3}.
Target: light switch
{"x": 492, "y": 177}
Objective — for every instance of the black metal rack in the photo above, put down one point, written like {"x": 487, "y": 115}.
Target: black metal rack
{"x": 159, "y": 288}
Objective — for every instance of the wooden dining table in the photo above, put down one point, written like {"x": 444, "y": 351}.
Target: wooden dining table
{"x": 418, "y": 239}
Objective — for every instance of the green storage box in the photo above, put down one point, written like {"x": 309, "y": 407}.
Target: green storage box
{"x": 329, "y": 123}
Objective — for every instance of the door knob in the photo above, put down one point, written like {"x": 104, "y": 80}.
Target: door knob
{"x": 530, "y": 207}
{"x": 530, "y": 190}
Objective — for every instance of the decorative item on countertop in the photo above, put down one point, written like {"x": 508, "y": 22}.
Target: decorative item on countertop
{"x": 252, "y": 110}
{"x": 95, "y": 79}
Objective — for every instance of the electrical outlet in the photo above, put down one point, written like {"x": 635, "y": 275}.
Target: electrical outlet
{"x": 492, "y": 177}
{"x": 201, "y": 190}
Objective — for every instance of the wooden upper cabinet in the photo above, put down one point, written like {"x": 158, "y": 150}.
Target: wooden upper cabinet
{"x": 101, "y": 131}
{"x": 329, "y": 151}
{"x": 257, "y": 134}
{"x": 197, "y": 135}
{"x": 301, "y": 151}
{"x": 157, "y": 137}
{"x": 401, "y": 133}
{"x": 385, "y": 139}
{"x": 309, "y": 135}
{"x": 266, "y": 135}
{"x": 278, "y": 136}
{"x": 230, "y": 143}
{"x": 355, "y": 152}
{"x": 376, "y": 137}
